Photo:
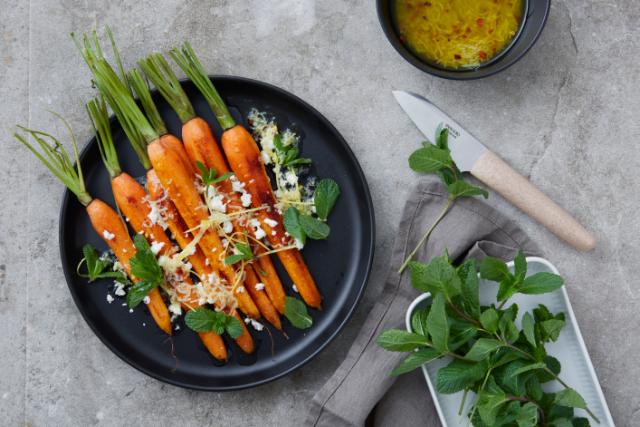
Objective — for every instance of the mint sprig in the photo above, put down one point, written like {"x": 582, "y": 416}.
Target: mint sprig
{"x": 99, "y": 267}
{"x": 436, "y": 158}
{"x": 145, "y": 267}
{"x": 210, "y": 176}
{"x": 296, "y": 312}
{"x": 205, "y": 320}
{"x": 506, "y": 367}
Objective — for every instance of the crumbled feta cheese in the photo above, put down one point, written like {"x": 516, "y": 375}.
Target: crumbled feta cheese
{"x": 294, "y": 288}
{"x": 144, "y": 324}
{"x": 254, "y": 323}
{"x": 146, "y": 299}
{"x": 119, "y": 290}
{"x": 257, "y": 229}
{"x": 131, "y": 310}
{"x": 298, "y": 243}
{"x": 270, "y": 222}
{"x": 175, "y": 308}
{"x": 240, "y": 289}
{"x": 236, "y": 185}
{"x": 109, "y": 298}
{"x": 217, "y": 203}
{"x": 107, "y": 235}
{"x": 177, "y": 328}
{"x": 265, "y": 157}
{"x": 291, "y": 178}
{"x": 206, "y": 261}
{"x": 156, "y": 247}
{"x": 227, "y": 227}
{"x": 259, "y": 286}
{"x": 245, "y": 199}
{"x": 273, "y": 233}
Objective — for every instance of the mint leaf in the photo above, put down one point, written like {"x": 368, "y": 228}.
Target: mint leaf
{"x": 462, "y": 188}
{"x": 520, "y": 266}
{"x": 207, "y": 175}
{"x": 528, "y": 325}
{"x": 552, "y": 328}
{"x": 507, "y": 289}
{"x": 96, "y": 267}
{"x": 325, "y": 196}
{"x": 508, "y": 328}
{"x": 203, "y": 319}
{"x": 399, "y": 340}
{"x": 442, "y": 137}
{"x": 291, "y": 222}
{"x": 314, "y": 228}
{"x": 469, "y": 287}
{"x": 144, "y": 264}
{"x": 297, "y": 162}
{"x": 459, "y": 375}
{"x": 570, "y": 398}
{"x": 244, "y": 254}
{"x": 419, "y": 323}
{"x": 530, "y": 367}
{"x": 437, "y": 276}
{"x": 222, "y": 178}
{"x": 562, "y": 422}
{"x": 494, "y": 269}
{"x": 430, "y": 159}
{"x": 233, "y": 327}
{"x": 438, "y": 324}
{"x": 489, "y": 320}
{"x": 528, "y": 416}
{"x": 296, "y": 312}
{"x": 482, "y": 348}
{"x": 232, "y": 259}
{"x": 416, "y": 359}
{"x": 138, "y": 291}
{"x": 541, "y": 283}
{"x": 490, "y": 402}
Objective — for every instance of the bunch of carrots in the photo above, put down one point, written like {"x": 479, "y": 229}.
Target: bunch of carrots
{"x": 194, "y": 248}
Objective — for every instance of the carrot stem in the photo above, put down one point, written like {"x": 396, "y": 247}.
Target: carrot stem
{"x": 141, "y": 88}
{"x": 97, "y": 110}
{"x": 190, "y": 64}
{"x": 164, "y": 79}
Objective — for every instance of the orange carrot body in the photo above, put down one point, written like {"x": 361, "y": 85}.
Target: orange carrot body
{"x": 179, "y": 231}
{"x": 106, "y": 222}
{"x": 261, "y": 299}
{"x": 201, "y": 146}
{"x": 178, "y": 182}
{"x": 244, "y": 157}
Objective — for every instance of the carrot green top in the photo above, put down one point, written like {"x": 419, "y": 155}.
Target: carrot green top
{"x": 97, "y": 110}
{"x": 53, "y": 155}
{"x": 190, "y": 64}
{"x": 141, "y": 88}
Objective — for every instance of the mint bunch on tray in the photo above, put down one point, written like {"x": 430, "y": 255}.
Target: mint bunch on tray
{"x": 505, "y": 365}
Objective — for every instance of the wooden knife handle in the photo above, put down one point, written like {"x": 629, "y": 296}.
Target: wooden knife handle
{"x": 497, "y": 174}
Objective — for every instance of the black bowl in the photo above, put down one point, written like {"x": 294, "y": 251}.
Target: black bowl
{"x": 533, "y": 23}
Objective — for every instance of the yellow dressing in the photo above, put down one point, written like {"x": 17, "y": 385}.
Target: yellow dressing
{"x": 458, "y": 33}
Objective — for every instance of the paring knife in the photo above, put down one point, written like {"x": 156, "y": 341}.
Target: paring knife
{"x": 472, "y": 156}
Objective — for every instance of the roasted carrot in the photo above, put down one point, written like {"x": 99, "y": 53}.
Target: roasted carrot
{"x": 202, "y": 147}
{"x": 261, "y": 299}
{"x": 133, "y": 202}
{"x": 181, "y": 234}
{"x": 243, "y": 155}
{"x": 104, "y": 220}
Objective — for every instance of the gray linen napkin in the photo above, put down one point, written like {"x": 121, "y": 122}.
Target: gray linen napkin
{"x": 471, "y": 229}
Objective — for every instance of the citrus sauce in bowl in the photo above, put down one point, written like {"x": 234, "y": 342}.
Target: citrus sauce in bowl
{"x": 458, "y": 34}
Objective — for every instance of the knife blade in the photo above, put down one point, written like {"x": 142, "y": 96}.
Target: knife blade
{"x": 470, "y": 155}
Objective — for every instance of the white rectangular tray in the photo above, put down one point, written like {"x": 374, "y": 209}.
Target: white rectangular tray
{"x": 577, "y": 370}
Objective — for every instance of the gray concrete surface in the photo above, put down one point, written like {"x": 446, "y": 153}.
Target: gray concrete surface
{"x": 566, "y": 115}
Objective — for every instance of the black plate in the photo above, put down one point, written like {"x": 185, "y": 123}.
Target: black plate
{"x": 531, "y": 28}
{"x": 340, "y": 264}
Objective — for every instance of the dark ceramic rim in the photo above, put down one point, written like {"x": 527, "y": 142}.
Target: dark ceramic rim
{"x": 358, "y": 288}
{"x": 494, "y": 65}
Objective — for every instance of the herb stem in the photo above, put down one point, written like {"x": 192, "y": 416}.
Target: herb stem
{"x": 480, "y": 390}
{"x": 463, "y": 401}
{"x": 427, "y": 234}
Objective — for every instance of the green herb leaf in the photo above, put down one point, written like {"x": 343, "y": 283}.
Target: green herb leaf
{"x": 205, "y": 320}
{"x": 541, "y": 283}
{"x": 462, "y": 188}
{"x": 419, "y": 324}
{"x": 530, "y": 367}
{"x": 528, "y": 416}
{"x": 494, "y": 269}
{"x": 298, "y": 162}
{"x": 507, "y": 289}
{"x": 520, "y": 266}
{"x": 438, "y": 324}
{"x": 490, "y": 402}
{"x": 314, "y": 228}
{"x": 244, "y": 254}
{"x": 442, "y": 137}
{"x": 399, "y": 340}
{"x": 489, "y": 320}
{"x": 222, "y": 178}
{"x": 291, "y": 223}
{"x": 437, "y": 276}
{"x": 508, "y": 328}
{"x": 430, "y": 159}
{"x": 482, "y": 348}
{"x": 138, "y": 291}
{"x": 144, "y": 264}
{"x": 469, "y": 287}
{"x": 570, "y": 398}
{"x": 416, "y": 359}
{"x": 296, "y": 311}
{"x": 325, "y": 196}
{"x": 552, "y": 328}
{"x": 207, "y": 175}
{"x": 459, "y": 375}
{"x": 96, "y": 267}
{"x": 561, "y": 422}
{"x": 528, "y": 325}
